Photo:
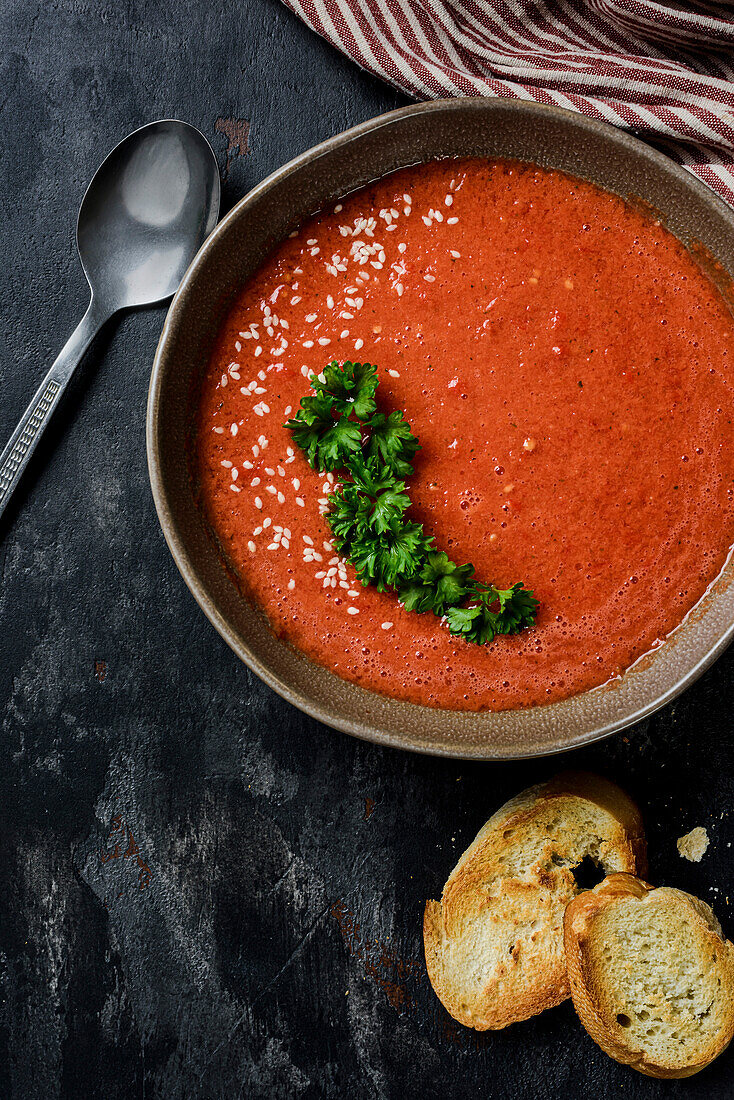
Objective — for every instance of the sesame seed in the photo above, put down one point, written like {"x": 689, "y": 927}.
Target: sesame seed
{"x": 255, "y": 482}
{"x": 267, "y": 522}
{"x": 234, "y": 429}
{"x": 311, "y": 317}
{"x": 251, "y": 546}
{"x": 430, "y": 278}
{"x": 281, "y": 471}
{"x": 449, "y": 200}
{"x": 451, "y": 221}
{"x": 402, "y": 246}
{"x": 312, "y": 241}
{"x": 291, "y": 584}
{"x": 399, "y": 289}
{"x": 258, "y": 502}
{"x": 338, "y": 208}
{"x": 258, "y": 351}
{"x": 247, "y": 464}
{"x": 271, "y": 489}
{"x": 272, "y": 546}
{"x": 394, "y": 373}
{"x": 456, "y": 255}
{"x": 358, "y": 344}
{"x": 352, "y": 611}
{"x": 324, "y": 340}
{"x": 270, "y": 471}
{"x": 308, "y": 343}
{"x": 387, "y": 626}
{"x": 281, "y": 498}
{"x": 343, "y": 335}
{"x": 352, "y": 591}
{"x": 296, "y": 484}
{"x": 226, "y": 463}
{"x": 308, "y": 540}
{"x": 529, "y": 444}
{"x": 257, "y": 531}
{"x": 234, "y": 488}
{"x": 329, "y": 301}
{"x": 219, "y": 431}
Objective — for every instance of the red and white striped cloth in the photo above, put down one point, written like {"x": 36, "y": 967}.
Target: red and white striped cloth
{"x": 663, "y": 71}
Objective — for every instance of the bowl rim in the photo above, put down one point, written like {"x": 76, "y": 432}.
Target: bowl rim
{"x": 366, "y": 730}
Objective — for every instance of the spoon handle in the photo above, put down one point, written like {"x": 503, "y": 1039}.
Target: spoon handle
{"x": 26, "y": 436}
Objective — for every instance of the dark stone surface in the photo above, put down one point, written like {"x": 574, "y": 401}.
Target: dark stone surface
{"x": 205, "y": 893}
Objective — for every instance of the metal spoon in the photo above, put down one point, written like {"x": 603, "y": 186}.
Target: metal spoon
{"x": 145, "y": 214}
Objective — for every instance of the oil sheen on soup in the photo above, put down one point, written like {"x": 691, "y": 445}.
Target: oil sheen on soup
{"x": 567, "y": 367}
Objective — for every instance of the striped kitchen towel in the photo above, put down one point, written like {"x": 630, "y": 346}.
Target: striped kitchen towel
{"x": 662, "y": 70}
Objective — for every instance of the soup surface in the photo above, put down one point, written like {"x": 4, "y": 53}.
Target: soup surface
{"x": 568, "y": 369}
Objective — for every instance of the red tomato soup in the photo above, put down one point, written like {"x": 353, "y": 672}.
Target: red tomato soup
{"x": 568, "y": 369}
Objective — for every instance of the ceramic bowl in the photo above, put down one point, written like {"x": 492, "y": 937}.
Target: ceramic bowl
{"x": 446, "y": 128}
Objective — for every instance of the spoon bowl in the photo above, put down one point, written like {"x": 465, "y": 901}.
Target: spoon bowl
{"x": 149, "y": 207}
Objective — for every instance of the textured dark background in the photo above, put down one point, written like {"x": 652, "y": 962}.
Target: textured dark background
{"x": 203, "y": 892}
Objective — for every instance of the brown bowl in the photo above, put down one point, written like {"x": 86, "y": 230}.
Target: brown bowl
{"x": 459, "y": 127}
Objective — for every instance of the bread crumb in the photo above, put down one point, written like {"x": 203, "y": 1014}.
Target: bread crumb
{"x": 693, "y": 845}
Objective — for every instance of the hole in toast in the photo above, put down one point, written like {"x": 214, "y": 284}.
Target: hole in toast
{"x": 623, "y": 1020}
{"x": 588, "y": 874}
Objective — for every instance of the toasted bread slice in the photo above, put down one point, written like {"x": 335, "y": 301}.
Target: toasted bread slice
{"x": 652, "y": 977}
{"x": 494, "y": 943}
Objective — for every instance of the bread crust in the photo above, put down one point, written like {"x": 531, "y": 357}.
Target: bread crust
{"x": 588, "y": 982}
{"x": 527, "y": 909}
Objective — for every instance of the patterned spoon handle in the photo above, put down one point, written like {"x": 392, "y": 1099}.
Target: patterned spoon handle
{"x": 26, "y": 436}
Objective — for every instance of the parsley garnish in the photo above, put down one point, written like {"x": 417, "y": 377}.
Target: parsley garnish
{"x": 339, "y": 428}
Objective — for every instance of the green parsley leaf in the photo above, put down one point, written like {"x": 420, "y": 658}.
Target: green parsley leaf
{"x": 352, "y": 386}
{"x": 439, "y": 585}
{"x": 386, "y": 558}
{"x": 392, "y": 442}
{"x": 328, "y": 443}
